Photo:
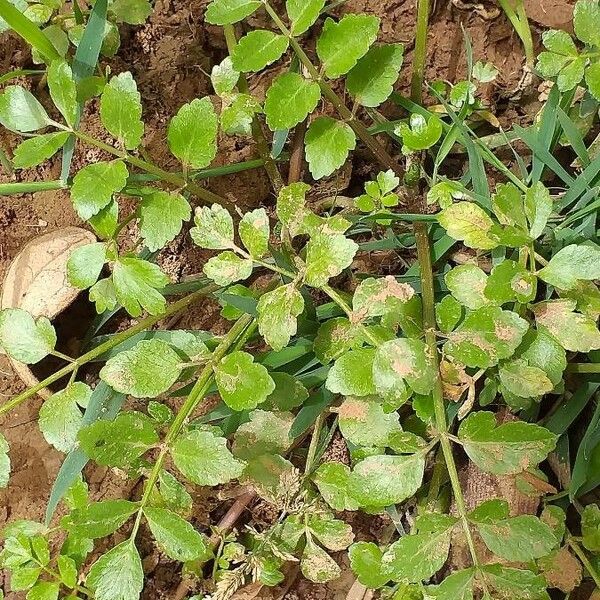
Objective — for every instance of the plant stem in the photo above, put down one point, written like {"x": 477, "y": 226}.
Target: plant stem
{"x": 583, "y": 368}
{"x": 106, "y": 346}
{"x": 429, "y": 325}
{"x": 173, "y": 178}
{"x": 257, "y": 130}
{"x": 581, "y": 555}
{"x": 380, "y": 153}
{"x": 420, "y": 54}
{"x": 26, "y": 187}
{"x": 197, "y": 394}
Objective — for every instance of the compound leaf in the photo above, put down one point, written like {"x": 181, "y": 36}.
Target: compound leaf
{"x": 20, "y": 111}
{"x": 99, "y": 519}
{"x": 35, "y": 150}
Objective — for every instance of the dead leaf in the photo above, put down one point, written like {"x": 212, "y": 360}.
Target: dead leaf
{"x": 562, "y": 570}
{"x": 248, "y": 592}
{"x": 36, "y": 281}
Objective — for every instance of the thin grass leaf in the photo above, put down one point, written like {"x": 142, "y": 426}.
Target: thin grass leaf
{"x": 581, "y": 468}
{"x": 545, "y": 133}
{"x": 585, "y": 181}
{"x": 19, "y": 73}
{"x": 573, "y": 137}
{"x": 571, "y": 408}
{"x": 28, "y": 30}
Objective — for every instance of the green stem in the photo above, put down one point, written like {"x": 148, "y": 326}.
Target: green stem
{"x": 380, "y": 153}
{"x": 173, "y": 178}
{"x": 197, "y": 394}
{"x": 105, "y": 347}
{"x": 257, "y": 130}
{"x": 581, "y": 555}
{"x": 583, "y": 368}
{"x": 314, "y": 442}
{"x": 27, "y": 187}
{"x": 420, "y": 54}
{"x": 429, "y": 325}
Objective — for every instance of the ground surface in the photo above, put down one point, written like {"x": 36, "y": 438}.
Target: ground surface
{"x": 169, "y": 58}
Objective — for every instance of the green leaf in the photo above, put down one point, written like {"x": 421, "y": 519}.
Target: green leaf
{"x": 334, "y": 534}
{"x": 133, "y": 12}
{"x": 467, "y": 284}
{"x": 161, "y": 217}
{"x": 99, "y": 519}
{"x": 4, "y": 462}
{"x": 467, "y": 222}
{"x": 372, "y": 80}
{"x": 590, "y": 527}
{"x": 214, "y": 228}
{"x": 106, "y": 221}
{"x": 204, "y": 459}
{"x": 486, "y": 336}
{"x": 174, "y": 494}
{"x": 94, "y": 185}
{"x": 342, "y": 44}
{"x": 20, "y": 111}
{"x": 507, "y": 205}
{"x": 366, "y": 563}
{"x": 267, "y": 475}
{"x": 448, "y": 313}
{"x": 506, "y": 449}
{"x": 352, "y": 373}
{"x": 291, "y": 209}
{"x": 538, "y": 207}
{"x": 149, "y": 369}
{"x": 243, "y": 384}
{"x": 363, "y": 422}
{"x": 317, "y": 566}
{"x": 258, "y": 49}
{"x": 266, "y": 433}
{"x": 121, "y": 110}
{"x": 332, "y": 479}
{"x": 118, "y": 574}
{"x": 457, "y": 586}
{"x": 290, "y": 99}
{"x": 63, "y": 91}
{"x": 227, "y": 12}
{"x": 85, "y": 265}
{"x": 60, "y": 417}
{"x": 67, "y": 568}
{"x": 592, "y": 78}
{"x": 228, "y": 267}
{"x": 571, "y": 75}
{"x": 135, "y": 283}
{"x": 510, "y": 282}
{"x": 421, "y": 134}
{"x": 254, "y": 232}
{"x": 574, "y": 332}
{"x": 401, "y": 362}
{"x": 541, "y": 350}
{"x": 559, "y": 42}
{"x": 485, "y": 72}
{"x": 289, "y": 393}
{"x": 421, "y": 555}
{"x": 120, "y": 442}
{"x": 586, "y": 18}
{"x": 192, "y": 133}
{"x": 303, "y": 14}
{"x": 328, "y": 143}
{"x": 236, "y": 117}
{"x": 377, "y": 297}
{"x": 334, "y": 338}
{"x": 509, "y": 583}
{"x": 383, "y": 480}
{"x": 23, "y": 338}
{"x": 35, "y": 150}
{"x": 327, "y": 255}
{"x": 43, "y": 590}
{"x": 572, "y": 263}
{"x": 224, "y": 77}
{"x": 524, "y": 380}
{"x": 179, "y": 540}
{"x": 518, "y": 539}
{"x": 277, "y": 315}
{"x": 104, "y": 295}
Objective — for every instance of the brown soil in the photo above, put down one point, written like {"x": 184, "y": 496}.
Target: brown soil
{"x": 169, "y": 58}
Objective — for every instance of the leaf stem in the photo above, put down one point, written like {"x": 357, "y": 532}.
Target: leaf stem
{"x": 257, "y": 130}
{"x": 583, "y": 368}
{"x": 197, "y": 394}
{"x": 429, "y": 325}
{"x": 106, "y": 346}
{"x": 173, "y": 178}
{"x": 420, "y": 53}
{"x": 378, "y": 151}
